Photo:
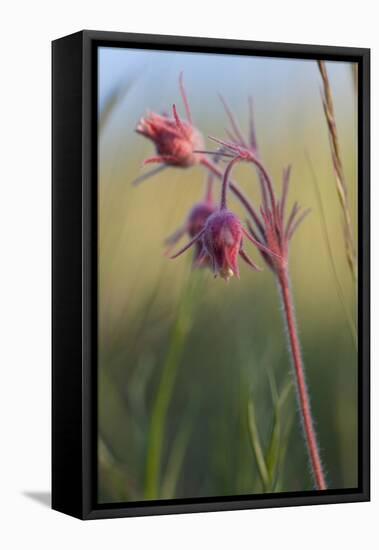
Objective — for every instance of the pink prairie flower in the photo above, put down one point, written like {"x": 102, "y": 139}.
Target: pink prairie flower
{"x": 194, "y": 224}
{"x": 221, "y": 239}
{"x": 175, "y": 143}
{"x": 198, "y": 217}
{"x": 175, "y": 139}
{"x": 221, "y": 242}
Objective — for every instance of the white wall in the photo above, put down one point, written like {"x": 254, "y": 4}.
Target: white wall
{"x": 27, "y": 29}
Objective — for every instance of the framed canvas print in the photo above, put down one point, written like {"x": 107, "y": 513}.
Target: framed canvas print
{"x": 210, "y": 275}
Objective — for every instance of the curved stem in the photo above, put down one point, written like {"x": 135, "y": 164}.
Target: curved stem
{"x": 238, "y": 193}
{"x": 249, "y": 156}
{"x": 266, "y": 177}
{"x": 225, "y": 182}
{"x": 302, "y": 391}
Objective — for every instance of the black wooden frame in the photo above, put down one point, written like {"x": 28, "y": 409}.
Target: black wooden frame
{"x": 74, "y": 298}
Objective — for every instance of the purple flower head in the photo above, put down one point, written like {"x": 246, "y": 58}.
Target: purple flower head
{"x": 194, "y": 224}
{"x": 221, "y": 239}
{"x": 198, "y": 217}
{"x": 175, "y": 139}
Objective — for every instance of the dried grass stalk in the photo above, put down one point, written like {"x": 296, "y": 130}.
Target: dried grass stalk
{"x": 342, "y": 190}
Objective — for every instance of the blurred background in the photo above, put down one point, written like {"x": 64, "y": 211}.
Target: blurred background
{"x": 195, "y": 392}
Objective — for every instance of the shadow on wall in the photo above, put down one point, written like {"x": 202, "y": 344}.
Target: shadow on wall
{"x": 42, "y": 497}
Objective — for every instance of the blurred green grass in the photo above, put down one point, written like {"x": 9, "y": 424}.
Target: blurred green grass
{"x": 236, "y": 336}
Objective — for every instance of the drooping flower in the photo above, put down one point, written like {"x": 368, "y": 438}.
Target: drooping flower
{"x": 175, "y": 139}
{"x": 222, "y": 242}
{"x": 194, "y": 223}
{"x": 221, "y": 239}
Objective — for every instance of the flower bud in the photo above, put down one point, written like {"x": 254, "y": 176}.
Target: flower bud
{"x": 222, "y": 241}
{"x": 175, "y": 140}
{"x": 196, "y": 222}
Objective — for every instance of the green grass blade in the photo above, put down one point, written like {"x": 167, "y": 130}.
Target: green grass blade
{"x": 256, "y": 445}
{"x": 277, "y": 440}
{"x": 180, "y": 331}
{"x": 175, "y": 462}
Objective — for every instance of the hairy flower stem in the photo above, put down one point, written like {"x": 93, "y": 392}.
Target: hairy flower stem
{"x": 237, "y": 192}
{"x": 302, "y": 391}
{"x": 225, "y": 182}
